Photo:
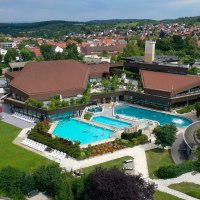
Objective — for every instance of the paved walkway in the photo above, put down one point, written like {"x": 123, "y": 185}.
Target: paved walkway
{"x": 178, "y": 149}
{"x": 8, "y": 118}
{"x": 138, "y": 153}
{"x": 140, "y": 165}
{"x": 188, "y": 177}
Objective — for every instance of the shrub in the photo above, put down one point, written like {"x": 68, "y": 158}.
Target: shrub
{"x": 186, "y": 109}
{"x": 87, "y": 116}
{"x": 174, "y": 171}
{"x": 136, "y": 141}
{"x": 143, "y": 139}
{"x": 139, "y": 133}
{"x": 129, "y": 136}
{"x": 125, "y": 142}
{"x": 34, "y": 103}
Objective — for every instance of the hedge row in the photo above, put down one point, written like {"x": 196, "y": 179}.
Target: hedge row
{"x": 174, "y": 171}
{"x": 66, "y": 146}
{"x": 131, "y": 136}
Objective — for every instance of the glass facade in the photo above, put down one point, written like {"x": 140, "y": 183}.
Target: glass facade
{"x": 25, "y": 111}
{"x": 65, "y": 115}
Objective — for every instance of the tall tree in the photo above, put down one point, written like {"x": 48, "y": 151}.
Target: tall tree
{"x": 10, "y": 55}
{"x": 27, "y": 54}
{"x": 131, "y": 50}
{"x": 48, "y": 178}
{"x": 72, "y": 52}
{"x": 165, "y": 135}
{"x": 112, "y": 184}
{"x": 47, "y": 52}
{"x": 115, "y": 82}
{"x": 106, "y": 84}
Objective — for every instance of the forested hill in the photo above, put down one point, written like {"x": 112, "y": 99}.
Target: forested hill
{"x": 55, "y": 29}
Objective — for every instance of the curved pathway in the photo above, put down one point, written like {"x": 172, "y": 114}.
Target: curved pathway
{"x": 140, "y": 165}
{"x": 178, "y": 150}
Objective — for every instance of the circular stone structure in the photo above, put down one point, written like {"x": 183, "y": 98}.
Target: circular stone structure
{"x": 191, "y": 140}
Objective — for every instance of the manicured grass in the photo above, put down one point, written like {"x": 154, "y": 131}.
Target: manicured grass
{"x": 16, "y": 156}
{"x": 118, "y": 163}
{"x": 157, "y": 158}
{"x": 190, "y": 189}
{"x": 163, "y": 196}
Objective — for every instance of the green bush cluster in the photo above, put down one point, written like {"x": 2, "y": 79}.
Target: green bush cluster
{"x": 72, "y": 149}
{"x": 174, "y": 171}
{"x": 130, "y": 136}
{"x": 186, "y": 109}
{"x": 17, "y": 184}
{"x": 34, "y": 103}
{"x": 134, "y": 138}
{"x": 87, "y": 116}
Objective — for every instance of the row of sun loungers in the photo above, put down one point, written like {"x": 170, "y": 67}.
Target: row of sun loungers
{"x": 58, "y": 154}
{"x": 41, "y": 147}
{"x": 34, "y": 145}
{"x": 24, "y": 117}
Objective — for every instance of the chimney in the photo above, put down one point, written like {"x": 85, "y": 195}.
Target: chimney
{"x": 149, "y": 51}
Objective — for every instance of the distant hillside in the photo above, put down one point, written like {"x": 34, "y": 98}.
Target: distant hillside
{"x": 184, "y": 20}
{"x": 56, "y": 29}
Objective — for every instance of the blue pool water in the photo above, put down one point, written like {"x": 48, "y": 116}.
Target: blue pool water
{"x": 112, "y": 122}
{"x": 76, "y": 130}
{"x": 143, "y": 113}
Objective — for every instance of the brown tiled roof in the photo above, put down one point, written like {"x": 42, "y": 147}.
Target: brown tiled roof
{"x": 97, "y": 70}
{"x": 42, "y": 80}
{"x": 12, "y": 75}
{"x": 172, "y": 83}
{"x": 88, "y": 50}
{"x": 36, "y": 50}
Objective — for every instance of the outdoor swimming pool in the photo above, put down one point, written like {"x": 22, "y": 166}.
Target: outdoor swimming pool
{"x": 142, "y": 113}
{"x": 111, "y": 122}
{"x": 76, "y": 130}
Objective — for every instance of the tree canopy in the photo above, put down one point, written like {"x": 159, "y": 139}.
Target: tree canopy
{"x": 27, "y": 54}
{"x": 165, "y": 135}
{"x": 131, "y": 50}
{"x": 112, "y": 184}
{"x": 10, "y": 55}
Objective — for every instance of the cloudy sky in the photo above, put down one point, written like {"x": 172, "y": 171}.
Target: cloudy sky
{"x": 84, "y": 10}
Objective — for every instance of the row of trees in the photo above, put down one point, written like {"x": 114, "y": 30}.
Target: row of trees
{"x": 47, "y": 51}
{"x": 186, "y": 48}
{"x": 109, "y": 184}
{"x": 70, "y": 52}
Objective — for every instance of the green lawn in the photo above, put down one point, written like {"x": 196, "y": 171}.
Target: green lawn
{"x": 118, "y": 163}
{"x": 190, "y": 189}
{"x": 15, "y": 156}
{"x": 157, "y": 158}
{"x": 163, "y": 196}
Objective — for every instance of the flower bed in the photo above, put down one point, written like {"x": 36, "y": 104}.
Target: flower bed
{"x": 101, "y": 149}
